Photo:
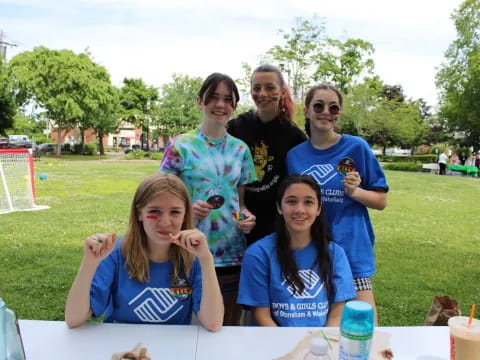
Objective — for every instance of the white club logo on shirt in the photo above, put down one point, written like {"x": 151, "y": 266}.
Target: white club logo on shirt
{"x": 312, "y": 282}
{"x": 155, "y": 305}
{"x": 322, "y": 173}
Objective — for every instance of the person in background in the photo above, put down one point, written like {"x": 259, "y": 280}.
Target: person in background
{"x": 454, "y": 159}
{"x": 160, "y": 271}
{"x": 269, "y": 131}
{"x": 476, "y": 161}
{"x": 351, "y": 178}
{"x": 296, "y": 276}
{"x": 442, "y": 163}
{"x": 216, "y": 167}
{"x": 463, "y": 158}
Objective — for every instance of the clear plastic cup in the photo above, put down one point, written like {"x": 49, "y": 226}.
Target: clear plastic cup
{"x": 464, "y": 339}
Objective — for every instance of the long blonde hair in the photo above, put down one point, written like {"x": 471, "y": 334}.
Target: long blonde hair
{"x": 134, "y": 245}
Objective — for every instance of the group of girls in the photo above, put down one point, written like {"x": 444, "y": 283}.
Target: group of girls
{"x": 255, "y": 180}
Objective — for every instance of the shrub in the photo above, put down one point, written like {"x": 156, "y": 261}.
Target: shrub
{"x": 403, "y": 166}
{"x": 135, "y": 155}
{"x": 90, "y": 149}
{"x": 157, "y": 156}
{"x": 422, "y": 159}
{"x": 77, "y": 148}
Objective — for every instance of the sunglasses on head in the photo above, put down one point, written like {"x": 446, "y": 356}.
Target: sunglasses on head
{"x": 333, "y": 109}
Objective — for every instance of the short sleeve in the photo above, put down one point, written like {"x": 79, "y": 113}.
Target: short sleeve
{"x": 254, "y": 278}
{"x": 373, "y": 176}
{"x": 248, "y": 169}
{"x": 172, "y": 161}
{"x": 342, "y": 274}
{"x": 196, "y": 282}
{"x": 101, "y": 288}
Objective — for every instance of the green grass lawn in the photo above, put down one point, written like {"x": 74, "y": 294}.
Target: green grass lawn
{"x": 428, "y": 239}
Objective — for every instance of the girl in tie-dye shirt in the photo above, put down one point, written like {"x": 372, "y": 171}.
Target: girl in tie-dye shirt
{"x": 216, "y": 167}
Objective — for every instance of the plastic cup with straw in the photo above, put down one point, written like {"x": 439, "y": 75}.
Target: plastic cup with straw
{"x": 472, "y": 313}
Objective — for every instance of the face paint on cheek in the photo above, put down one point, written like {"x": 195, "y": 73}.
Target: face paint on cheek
{"x": 255, "y": 97}
{"x": 275, "y": 96}
{"x": 152, "y": 217}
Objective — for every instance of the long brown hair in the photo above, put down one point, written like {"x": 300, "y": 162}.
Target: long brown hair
{"x": 309, "y": 96}
{"x": 286, "y": 105}
{"x": 319, "y": 235}
{"x": 135, "y": 246}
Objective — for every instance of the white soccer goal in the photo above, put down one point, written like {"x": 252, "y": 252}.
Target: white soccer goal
{"x": 17, "y": 183}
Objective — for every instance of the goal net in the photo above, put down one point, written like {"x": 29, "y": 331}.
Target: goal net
{"x": 17, "y": 183}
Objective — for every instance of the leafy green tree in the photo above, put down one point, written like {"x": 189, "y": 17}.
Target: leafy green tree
{"x": 177, "y": 110}
{"x": 66, "y": 85}
{"x": 8, "y": 108}
{"x": 138, "y": 101}
{"x": 105, "y": 116}
{"x": 298, "y": 52}
{"x": 459, "y": 76}
{"x": 391, "y": 123}
{"x": 343, "y": 62}
{"x": 358, "y": 103}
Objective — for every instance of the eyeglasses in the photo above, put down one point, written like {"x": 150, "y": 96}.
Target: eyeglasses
{"x": 332, "y": 109}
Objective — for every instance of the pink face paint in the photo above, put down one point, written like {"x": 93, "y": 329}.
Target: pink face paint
{"x": 255, "y": 97}
{"x": 152, "y": 217}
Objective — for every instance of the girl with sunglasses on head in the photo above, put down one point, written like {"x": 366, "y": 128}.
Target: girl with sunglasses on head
{"x": 216, "y": 167}
{"x": 296, "y": 276}
{"x": 352, "y": 181}
{"x": 269, "y": 131}
{"x": 160, "y": 271}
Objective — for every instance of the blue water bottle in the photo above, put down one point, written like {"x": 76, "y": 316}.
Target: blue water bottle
{"x": 3, "y": 330}
{"x": 356, "y": 331}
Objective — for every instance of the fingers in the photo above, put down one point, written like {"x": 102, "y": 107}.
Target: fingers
{"x": 188, "y": 239}
{"x": 100, "y": 245}
{"x": 201, "y": 209}
{"x": 248, "y": 223}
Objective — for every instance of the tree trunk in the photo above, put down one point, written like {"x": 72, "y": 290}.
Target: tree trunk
{"x": 100, "y": 143}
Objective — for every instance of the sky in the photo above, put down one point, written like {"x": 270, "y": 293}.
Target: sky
{"x": 152, "y": 39}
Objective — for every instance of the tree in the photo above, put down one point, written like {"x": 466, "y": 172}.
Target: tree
{"x": 8, "y": 107}
{"x": 66, "y": 85}
{"x": 358, "y": 103}
{"x": 138, "y": 101}
{"x": 459, "y": 76}
{"x": 343, "y": 62}
{"x": 391, "y": 123}
{"x": 301, "y": 45}
{"x": 105, "y": 115}
{"x": 177, "y": 110}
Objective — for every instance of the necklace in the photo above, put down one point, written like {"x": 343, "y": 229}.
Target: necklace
{"x": 215, "y": 198}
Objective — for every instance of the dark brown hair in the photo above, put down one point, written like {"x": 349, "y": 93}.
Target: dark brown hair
{"x": 319, "y": 234}
{"x": 211, "y": 83}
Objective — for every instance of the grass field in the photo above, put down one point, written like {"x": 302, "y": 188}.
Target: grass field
{"x": 428, "y": 239}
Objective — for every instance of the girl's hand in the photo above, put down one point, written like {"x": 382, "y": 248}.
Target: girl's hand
{"x": 201, "y": 209}
{"x": 247, "y": 224}
{"x": 194, "y": 241}
{"x": 97, "y": 247}
{"x": 351, "y": 182}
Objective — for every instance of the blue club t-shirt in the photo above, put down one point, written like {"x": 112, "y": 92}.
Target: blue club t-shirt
{"x": 157, "y": 301}
{"x": 347, "y": 219}
{"x": 263, "y": 285}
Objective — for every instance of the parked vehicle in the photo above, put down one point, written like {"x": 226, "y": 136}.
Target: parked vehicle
{"x": 133, "y": 148}
{"x": 47, "y": 147}
{"x": 3, "y": 143}
{"x": 19, "y": 141}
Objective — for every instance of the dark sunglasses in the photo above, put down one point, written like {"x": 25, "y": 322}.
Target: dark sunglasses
{"x": 332, "y": 109}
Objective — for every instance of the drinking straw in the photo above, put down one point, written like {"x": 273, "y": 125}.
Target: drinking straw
{"x": 472, "y": 312}
{"x": 326, "y": 339}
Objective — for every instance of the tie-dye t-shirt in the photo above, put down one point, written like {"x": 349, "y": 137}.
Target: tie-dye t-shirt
{"x": 211, "y": 167}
